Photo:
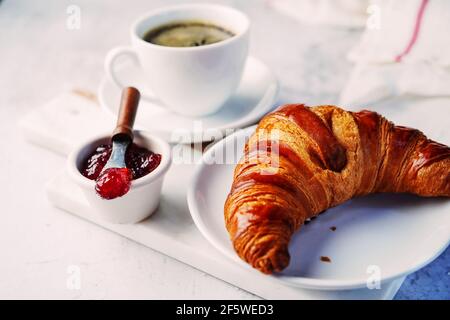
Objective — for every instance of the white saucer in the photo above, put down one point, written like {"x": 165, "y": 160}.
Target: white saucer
{"x": 390, "y": 235}
{"x": 254, "y": 98}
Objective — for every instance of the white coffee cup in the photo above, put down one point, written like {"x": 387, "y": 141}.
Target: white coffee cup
{"x": 192, "y": 81}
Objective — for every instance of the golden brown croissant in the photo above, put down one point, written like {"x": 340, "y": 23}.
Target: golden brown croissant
{"x": 323, "y": 157}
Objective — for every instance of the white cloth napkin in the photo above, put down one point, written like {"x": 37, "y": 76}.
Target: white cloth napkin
{"x": 407, "y": 53}
{"x": 342, "y": 13}
{"x": 68, "y": 119}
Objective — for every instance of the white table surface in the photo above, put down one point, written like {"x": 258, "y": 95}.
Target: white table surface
{"x": 40, "y": 57}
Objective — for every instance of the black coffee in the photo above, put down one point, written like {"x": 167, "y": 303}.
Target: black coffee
{"x": 187, "y": 34}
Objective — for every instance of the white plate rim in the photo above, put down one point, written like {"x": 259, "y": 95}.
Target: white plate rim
{"x": 265, "y": 104}
{"x": 303, "y": 282}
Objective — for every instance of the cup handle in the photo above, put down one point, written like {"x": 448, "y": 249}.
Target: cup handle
{"x": 110, "y": 62}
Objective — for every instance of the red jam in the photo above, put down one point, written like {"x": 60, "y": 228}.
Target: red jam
{"x": 115, "y": 182}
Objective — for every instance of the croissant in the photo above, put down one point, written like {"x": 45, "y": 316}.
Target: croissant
{"x": 302, "y": 161}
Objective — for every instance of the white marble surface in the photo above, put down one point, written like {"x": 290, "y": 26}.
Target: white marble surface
{"x": 40, "y": 57}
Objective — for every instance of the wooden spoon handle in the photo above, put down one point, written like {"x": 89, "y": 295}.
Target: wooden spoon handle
{"x": 127, "y": 113}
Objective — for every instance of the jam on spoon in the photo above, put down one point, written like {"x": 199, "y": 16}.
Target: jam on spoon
{"x": 114, "y": 179}
{"x": 113, "y": 183}
{"x": 113, "y": 166}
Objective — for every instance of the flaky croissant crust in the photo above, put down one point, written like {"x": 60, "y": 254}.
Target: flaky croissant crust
{"x": 324, "y": 156}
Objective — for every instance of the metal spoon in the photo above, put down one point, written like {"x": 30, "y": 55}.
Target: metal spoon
{"x": 123, "y": 133}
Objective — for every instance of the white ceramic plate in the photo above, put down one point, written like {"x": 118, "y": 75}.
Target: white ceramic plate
{"x": 254, "y": 98}
{"x": 391, "y": 234}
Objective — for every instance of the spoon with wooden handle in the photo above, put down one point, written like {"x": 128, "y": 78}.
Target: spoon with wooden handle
{"x": 115, "y": 178}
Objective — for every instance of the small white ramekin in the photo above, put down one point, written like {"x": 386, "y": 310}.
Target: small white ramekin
{"x": 143, "y": 197}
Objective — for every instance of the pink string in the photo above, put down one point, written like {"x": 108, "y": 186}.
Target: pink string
{"x": 415, "y": 34}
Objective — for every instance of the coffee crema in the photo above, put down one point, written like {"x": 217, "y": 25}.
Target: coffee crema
{"x": 187, "y": 34}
